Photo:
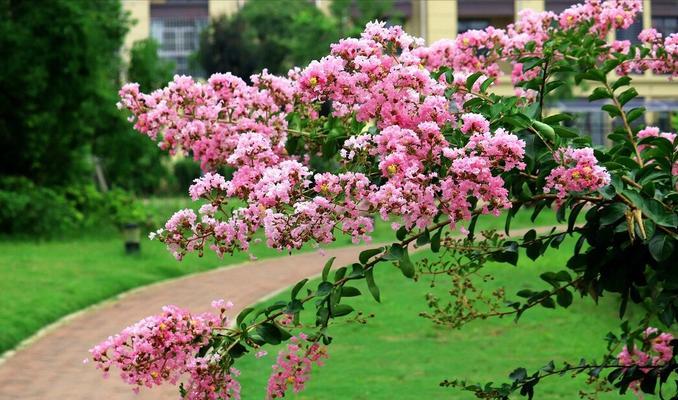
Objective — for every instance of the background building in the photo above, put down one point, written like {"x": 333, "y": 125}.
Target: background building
{"x": 176, "y": 25}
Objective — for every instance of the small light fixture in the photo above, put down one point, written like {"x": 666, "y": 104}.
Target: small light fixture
{"x": 132, "y": 234}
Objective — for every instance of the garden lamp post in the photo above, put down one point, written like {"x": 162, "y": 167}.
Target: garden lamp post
{"x": 132, "y": 234}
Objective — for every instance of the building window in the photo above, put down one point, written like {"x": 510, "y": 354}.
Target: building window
{"x": 665, "y": 25}
{"x": 632, "y": 32}
{"x": 594, "y": 123}
{"x": 176, "y": 25}
{"x": 558, "y": 6}
{"x": 466, "y": 24}
{"x": 474, "y": 14}
{"x": 179, "y": 38}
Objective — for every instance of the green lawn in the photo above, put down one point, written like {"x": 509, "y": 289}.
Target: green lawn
{"x": 41, "y": 282}
{"x": 399, "y": 355}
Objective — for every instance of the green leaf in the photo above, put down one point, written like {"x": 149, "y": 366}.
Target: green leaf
{"x": 509, "y": 253}
{"x": 565, "y": 132}
{"x": 471, "y": 80}
{"x": 424, "y": 238}
{"x": 599, "y": 93}
{"x": 339, "y": 275}
{"x": 533, "y": 250}
{"x": 611, "y": 110}
{"x": 244, "y": 313}
{"x": 369, "y": 253}
{"x": 270, "y": 333}
{"x": 394, "y": 253}
{"x": 627, "y": 95}
{"x": 564, "y": 298}
{"x": 340, "y": 310}
{"x": 518, "y": 374}
{"x": 556, "y": 118}
{"x": 548, "y": 303}
{"x": 371, "y": 285}
{"x": 349, "y": 291}
{"x": 486, "y": 84}
{"x": 435, "y": 241}
{"x": 294, "y": 307}
{"x": 324, "y": 288}
{"x": 623, "y": 81}
{"x": 635, "y": 113}
{"x": 661, "y": 247}
{"x": 297, "y": 288}
{"x": 326, "y": 269}
{"x": 593, "y": 75}
{"x": 531, "y": 62}
{"x": 612, "y": 213}
{"x": 406, "y": 265}
{"x": 401, "y": 233}
{"x": 530, "y": 235}
{"x": 573, "y": 216}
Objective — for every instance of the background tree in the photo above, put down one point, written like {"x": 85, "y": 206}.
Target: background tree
{"x": 59, "y": 70}
{"x": 129, "y": 160}
{"x": 279, "y": 35}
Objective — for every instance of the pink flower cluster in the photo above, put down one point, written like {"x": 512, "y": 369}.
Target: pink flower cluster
{"x": 579, "y": 172}
{"x": 384, "y": 81}
{"x": 653, "y": 131}
{"x": 659, "y": 351}
{"x": 208, "y": 119}
{"x": 293, "y": 366}
{"x": 163, "y": 348}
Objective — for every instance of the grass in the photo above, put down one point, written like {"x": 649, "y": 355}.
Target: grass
{"x": 41, "y": 282}
{"x": 399, "y": 355}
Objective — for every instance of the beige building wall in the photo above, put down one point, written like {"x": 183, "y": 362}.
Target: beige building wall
{"x": 220, "y": 7}
{"x": 140, "y": 14}
{"x": 536, "y": 5}
{"x": 440, "y": 18}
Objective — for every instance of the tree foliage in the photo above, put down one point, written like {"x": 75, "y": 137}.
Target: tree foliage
{"x": 59, "y": 70}
{"x": 130, "y": 161}
{"x": 282, "y": 34}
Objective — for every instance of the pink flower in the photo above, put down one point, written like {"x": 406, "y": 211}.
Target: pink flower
{"x": 293, "y": 366}
{"x": 474, "y": 123}
{"x": 579, "y": 172}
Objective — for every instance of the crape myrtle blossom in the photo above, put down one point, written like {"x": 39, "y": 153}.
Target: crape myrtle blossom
{"x": 658, "y": 351}
{"x": 383, "y": 79}
{"x": 293, "y": 366}
{"x": 579, "y": 172}
{"x": 163, "y": 348}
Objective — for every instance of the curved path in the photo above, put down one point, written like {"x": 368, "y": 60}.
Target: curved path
{"x": 51, "y": 366}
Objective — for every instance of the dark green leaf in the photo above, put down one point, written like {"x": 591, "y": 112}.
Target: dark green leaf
{"x": 627, "y": 95}
{"x": 367, "y": 254}
{"x": 472, "y": 80}
{"x": 371, "y": 284}
{"x": 424, "y": 238}
{"x": 435, "y": 241}
{"x": 326, "y": 269}
{"x": 661, "y": 247}
{"x": 244, "y": 313}
{"x": 270, "y": 333}
{"x": 349, "y": 291}
{"x": 564, "y": 298}
{"x": 297, "y": 288}
{"x": 340, "y": 310}
{"x": 599, "y": 93}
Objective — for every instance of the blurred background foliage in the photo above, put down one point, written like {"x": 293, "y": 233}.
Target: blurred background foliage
{"x": 278, "y": 35}
{"x": 70, "y": 162}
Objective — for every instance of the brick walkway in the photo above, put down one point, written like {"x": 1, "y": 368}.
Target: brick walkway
{"x": 51, "y": 368}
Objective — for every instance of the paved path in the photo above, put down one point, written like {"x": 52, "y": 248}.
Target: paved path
{"x": 51, "y": 367}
